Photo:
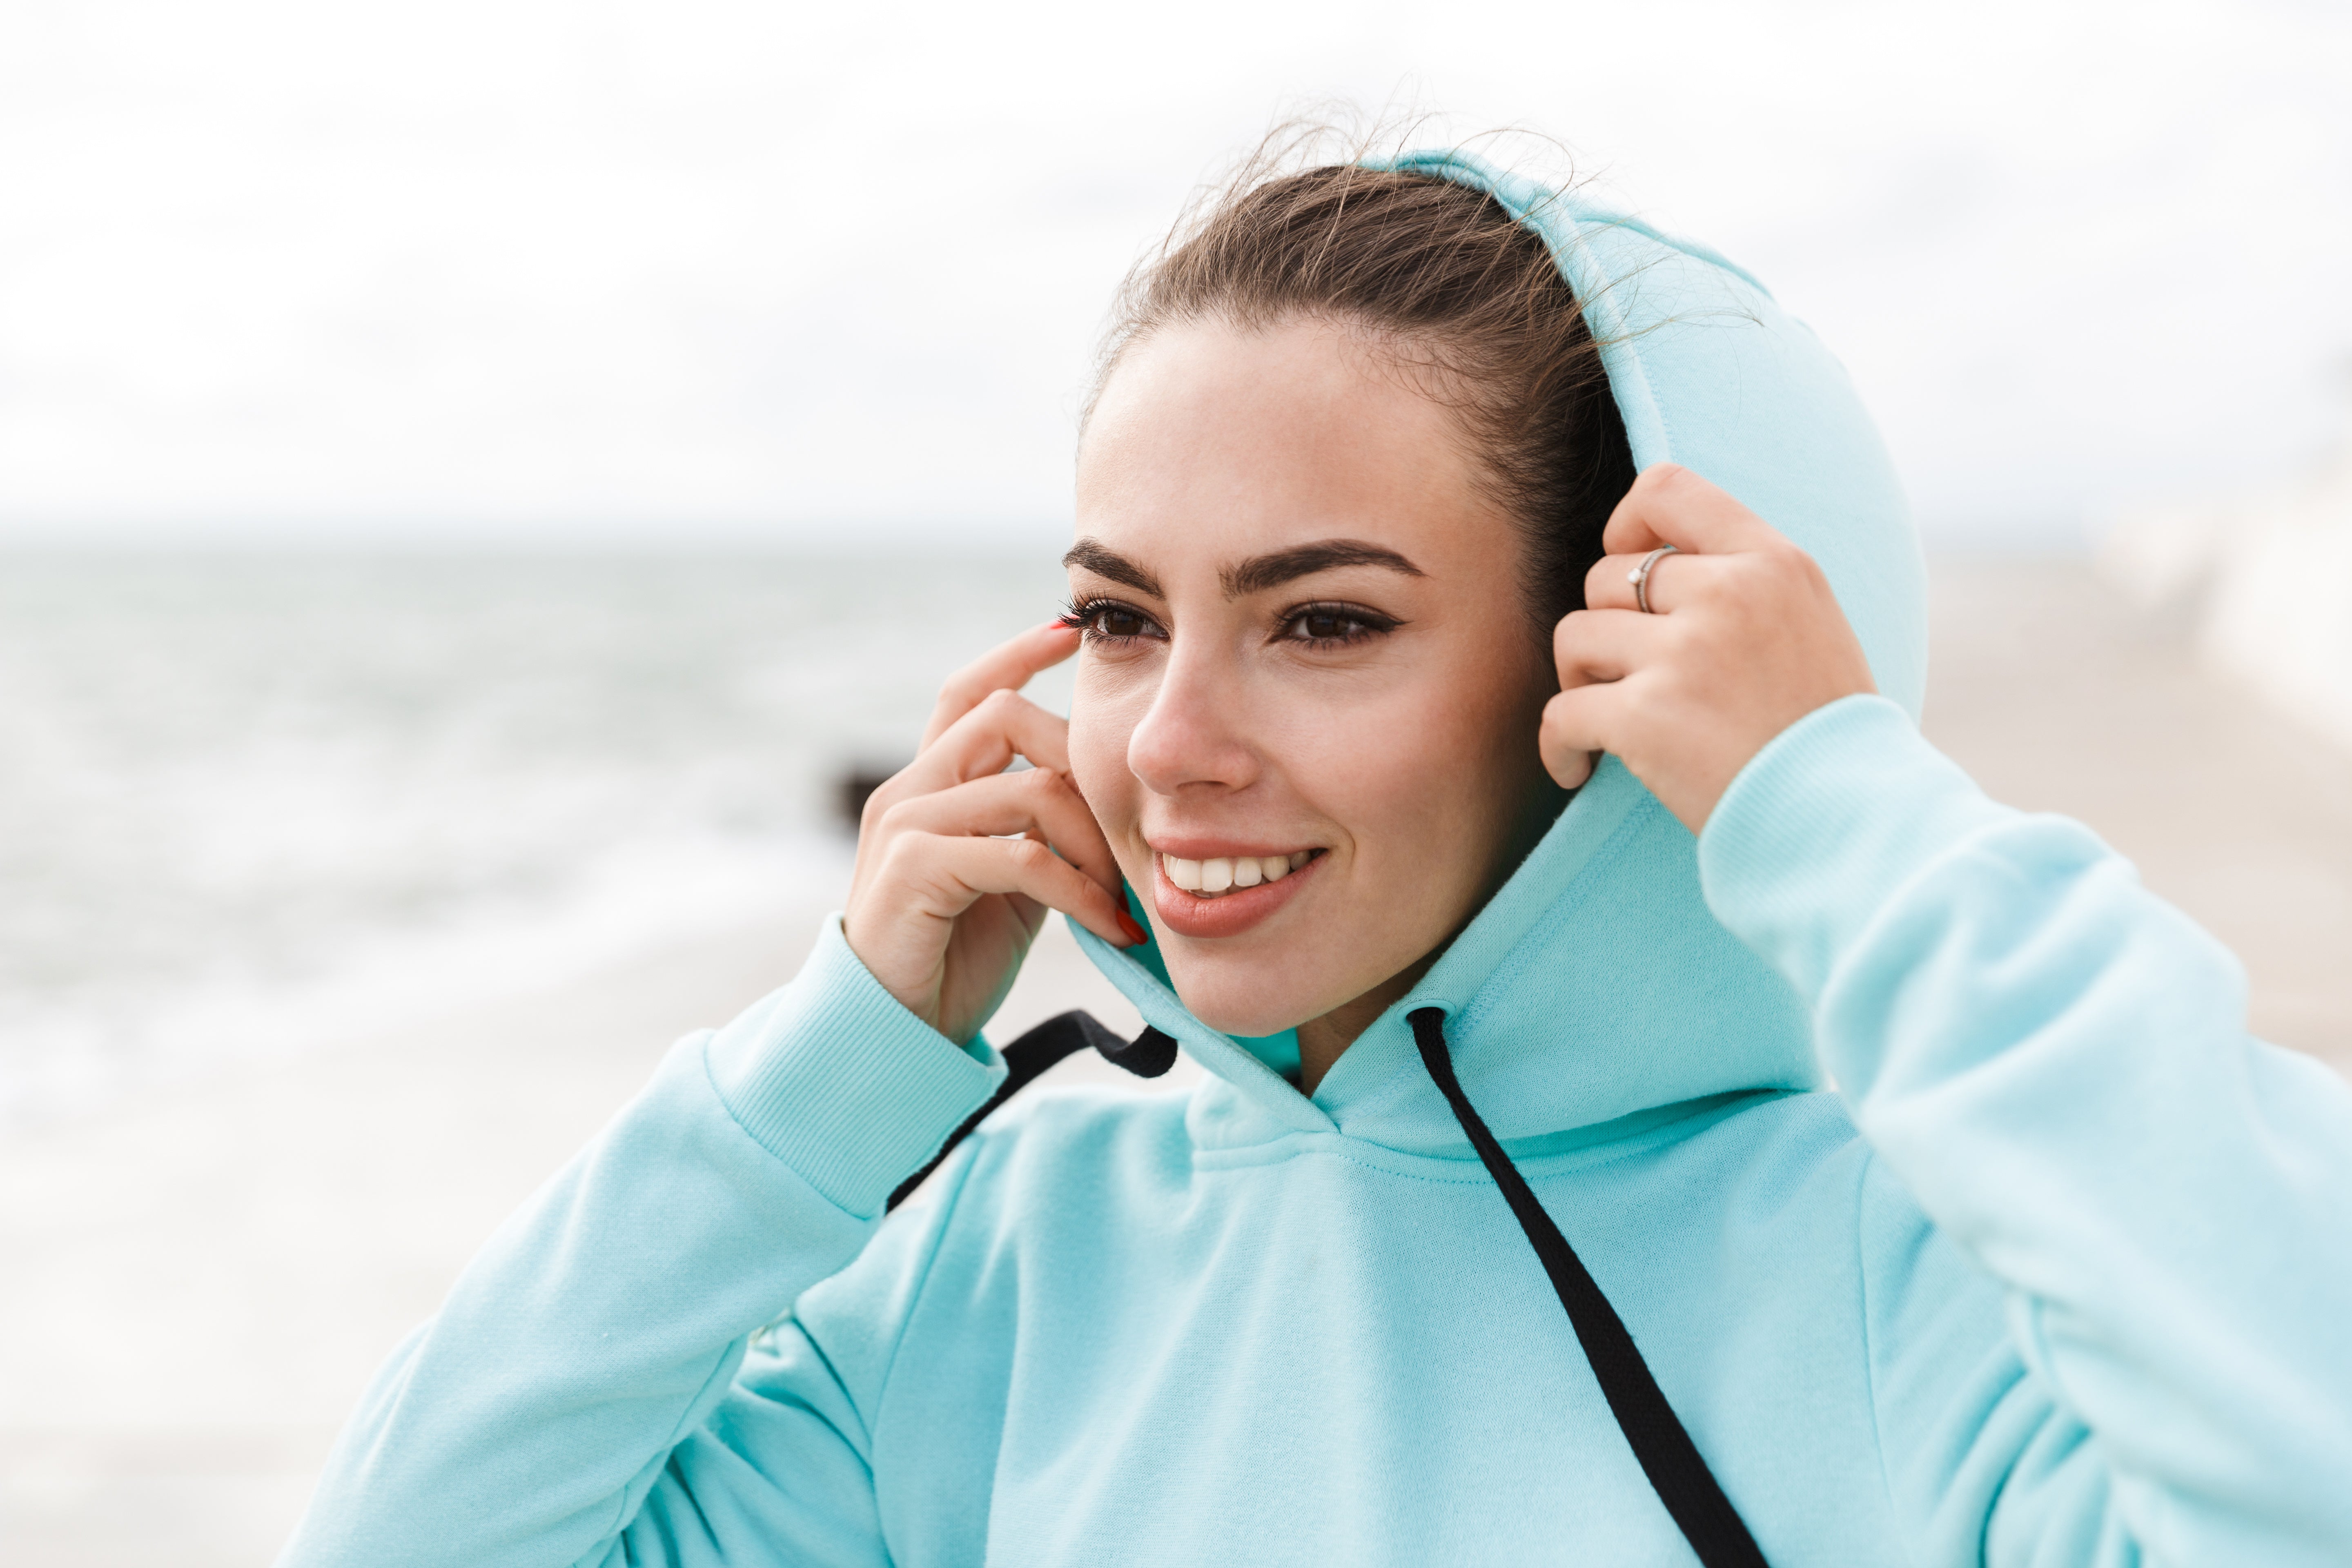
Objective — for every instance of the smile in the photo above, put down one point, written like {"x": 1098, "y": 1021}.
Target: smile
{"x": 1209, "y": 896}
{"x": 1214, "y": 877}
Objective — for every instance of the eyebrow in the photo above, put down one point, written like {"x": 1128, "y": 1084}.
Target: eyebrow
{"x": 1104, "y": 562}
{"x": 1259, "y": 573}
{"x": 1254, "y": 575}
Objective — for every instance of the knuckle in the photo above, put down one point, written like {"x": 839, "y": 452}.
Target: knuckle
{"x": 1569, "y": 635}
{"x": 890, "y": 819}
{"x": 1642, "y": 702}
{"x": 1668, "y": 477}
{"x": 1788, "y": 573}
{"x": 1755, "y": 571}
{"x": 1054, "y": 787}
{"x": 875, "y": 814}
{"x": 903, "y": 857}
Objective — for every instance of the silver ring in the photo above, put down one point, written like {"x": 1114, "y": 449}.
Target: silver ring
{"x": 1640, "y": 575}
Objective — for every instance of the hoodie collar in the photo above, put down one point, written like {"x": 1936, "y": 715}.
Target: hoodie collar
{"x": 1593, "y": 984}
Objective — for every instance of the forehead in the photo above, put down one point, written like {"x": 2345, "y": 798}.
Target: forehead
{"x": 1215, "y": 443}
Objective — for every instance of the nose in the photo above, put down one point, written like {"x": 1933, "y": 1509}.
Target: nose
{"x": 1193, "y": 739}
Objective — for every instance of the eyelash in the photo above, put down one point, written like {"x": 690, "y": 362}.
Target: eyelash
{"x": 1366, "y": 623}
{"x": 1086, "y": 615}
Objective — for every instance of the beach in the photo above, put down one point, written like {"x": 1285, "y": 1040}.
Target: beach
{"x": 202, "y": 1277}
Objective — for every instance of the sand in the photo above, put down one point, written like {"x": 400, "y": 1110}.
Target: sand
{"x": 198, "y": 1285}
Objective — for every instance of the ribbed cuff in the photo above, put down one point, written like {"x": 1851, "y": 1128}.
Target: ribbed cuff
{"x": 834, "y": 1077}
{"x": 1824, "y": 826}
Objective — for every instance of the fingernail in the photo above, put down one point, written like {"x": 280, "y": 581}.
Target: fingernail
{"x": 1133, "y": 928}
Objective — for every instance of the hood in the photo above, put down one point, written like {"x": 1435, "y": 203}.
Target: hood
{"x": 1595, "y": 985}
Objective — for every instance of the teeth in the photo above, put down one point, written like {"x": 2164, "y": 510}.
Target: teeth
{"x": 1210, "y": 878}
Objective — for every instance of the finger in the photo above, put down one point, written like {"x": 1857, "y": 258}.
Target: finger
{"x": 1569, "y": 770}
{"x": 1671, "y": 505}
{"x": 1595, "y": 647}
{"x": 982, "y": 866}
{"x": 1038, "y": 802}
{"x": 1004, "y": 725}
{"x": 1007, "y": 667}
{"x": 1674, "y": 580}
{"x": 1574, "y": 732}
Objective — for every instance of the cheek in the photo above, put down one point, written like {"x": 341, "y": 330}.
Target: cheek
{"x": 1426, "y": 767}
{"x": 1099, "y": 728}
{"x": 1458, "y": 753}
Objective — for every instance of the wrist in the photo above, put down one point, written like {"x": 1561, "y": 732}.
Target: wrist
{"x": 895, "y": 964}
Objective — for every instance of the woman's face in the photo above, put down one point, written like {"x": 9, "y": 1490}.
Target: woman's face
{"x": 1308, "y": 679}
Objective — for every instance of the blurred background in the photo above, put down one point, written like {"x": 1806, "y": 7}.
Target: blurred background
{"x": 476, "y": 479}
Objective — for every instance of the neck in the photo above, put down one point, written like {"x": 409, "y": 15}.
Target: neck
{"x": 1321, "y": 1040}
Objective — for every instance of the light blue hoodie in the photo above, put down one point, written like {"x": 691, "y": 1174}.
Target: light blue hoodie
{"x": 2059, "y": 1272}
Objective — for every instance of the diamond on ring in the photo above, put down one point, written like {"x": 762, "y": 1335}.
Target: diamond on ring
{"x": 1640, "y": 575}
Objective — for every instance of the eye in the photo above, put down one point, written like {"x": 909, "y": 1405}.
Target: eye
{"x": 1334, "y": 626}
{"x": 1107, "y": 620}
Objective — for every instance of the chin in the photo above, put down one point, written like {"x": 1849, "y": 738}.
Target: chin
{"x": 1253, "y": 998}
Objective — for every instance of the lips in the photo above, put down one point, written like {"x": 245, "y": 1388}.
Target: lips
{"x": 1224, "y": 895}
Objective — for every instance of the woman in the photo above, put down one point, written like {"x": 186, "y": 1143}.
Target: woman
{"x": 1923, "y": 1199}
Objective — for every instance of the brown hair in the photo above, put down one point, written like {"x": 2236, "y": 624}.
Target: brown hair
{"x": 1449, "y": 287}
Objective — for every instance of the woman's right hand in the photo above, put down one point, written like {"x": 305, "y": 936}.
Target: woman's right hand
{"x": 957, "y": 861}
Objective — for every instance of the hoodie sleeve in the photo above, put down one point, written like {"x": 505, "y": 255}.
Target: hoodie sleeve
{"x": 583, "y": 1397}
{"x": 2053, "y": 1063}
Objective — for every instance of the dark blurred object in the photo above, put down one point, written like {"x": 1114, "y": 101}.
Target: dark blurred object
{"x": 852, "y": 787}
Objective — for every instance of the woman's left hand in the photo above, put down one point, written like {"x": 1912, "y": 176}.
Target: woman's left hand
{"x": 1745, "y": 639}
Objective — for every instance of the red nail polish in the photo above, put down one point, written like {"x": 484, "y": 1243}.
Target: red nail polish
{"x": 1133, "y": 928}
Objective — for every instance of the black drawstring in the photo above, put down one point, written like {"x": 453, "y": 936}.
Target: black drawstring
{"x": 1150, "y": 1054}
{"x": 1668, "y": 1455}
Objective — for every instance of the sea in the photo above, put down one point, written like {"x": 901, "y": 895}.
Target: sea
{"x": 251, "y": 802}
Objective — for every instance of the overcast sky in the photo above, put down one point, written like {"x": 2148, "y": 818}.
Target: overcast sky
{"x": 513, "y": 272}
